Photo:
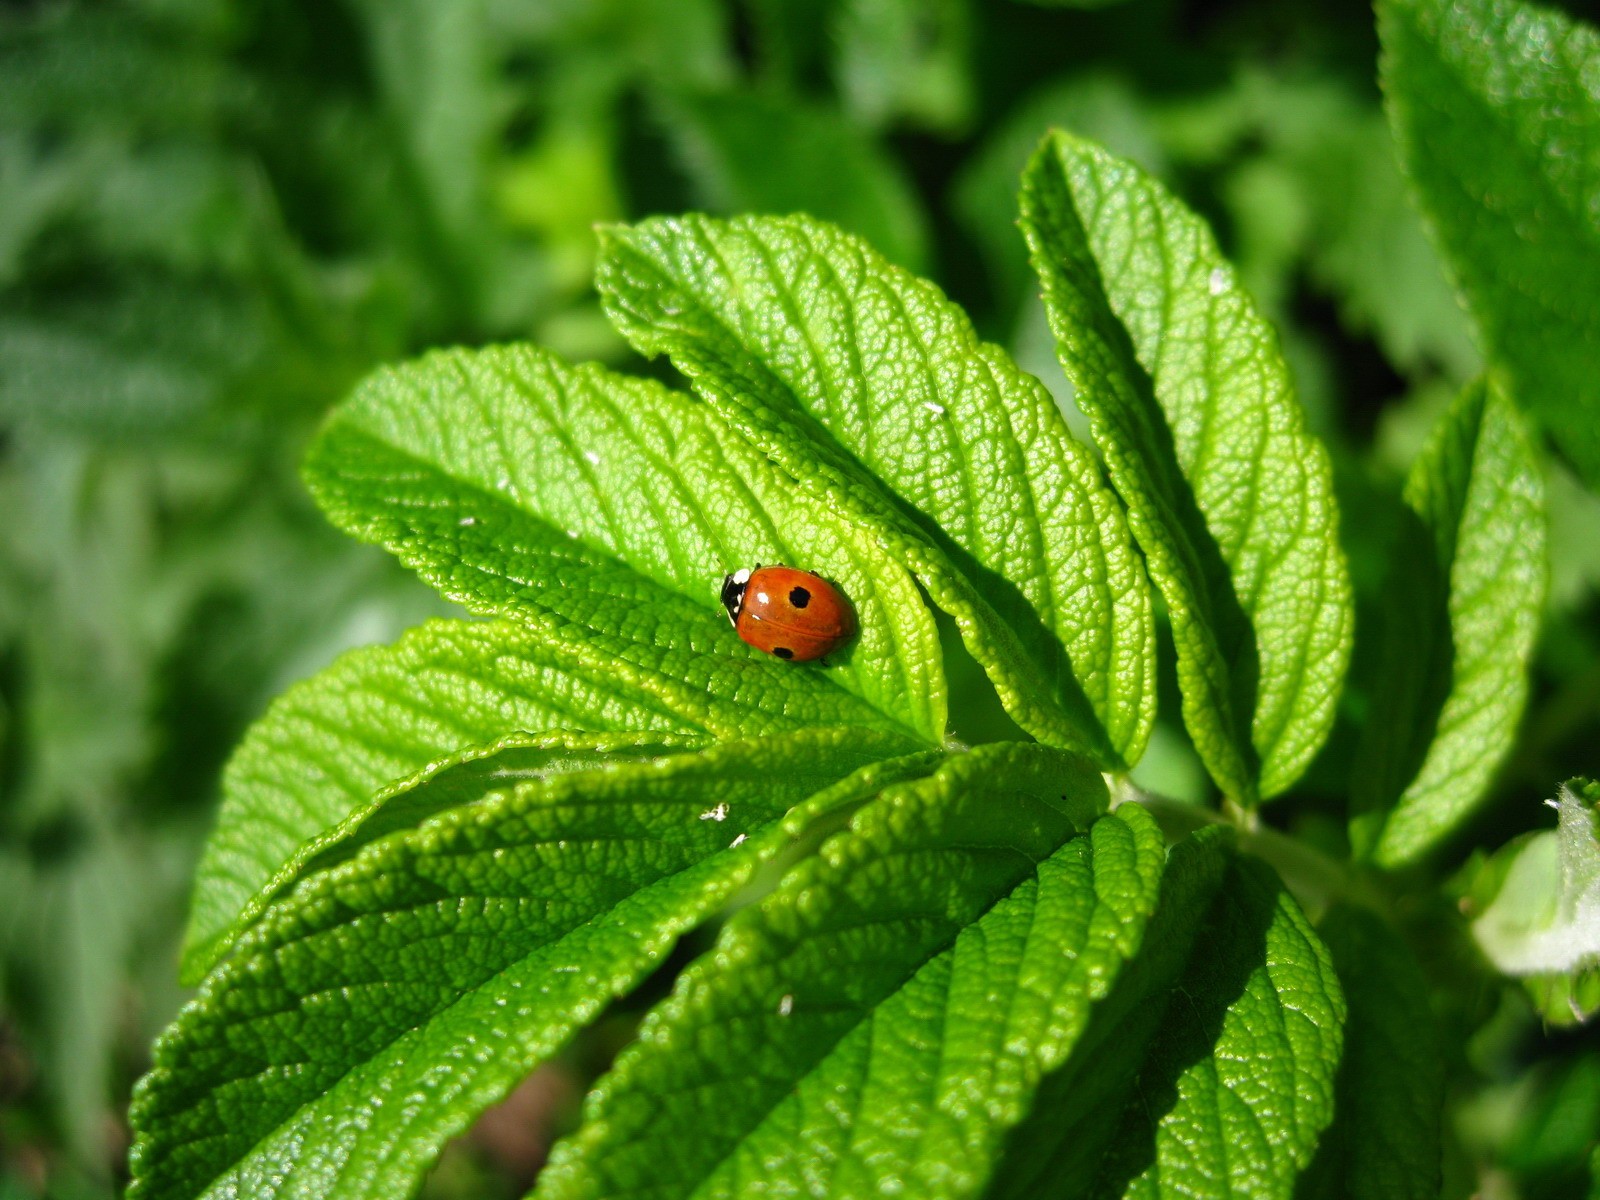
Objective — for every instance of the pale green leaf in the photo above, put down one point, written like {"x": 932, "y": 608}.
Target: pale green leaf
{"x": 1545, "y": 917}
{"x": 1462, "y": 613}
{"x": 1228, "y": 494}
{"x": 872, "y": 390}
{"x": 377, "y": 1009}
{"x": 1495, "y": 104}
{"x": 882, "y": 1018}
{"x": 604, "y": 511}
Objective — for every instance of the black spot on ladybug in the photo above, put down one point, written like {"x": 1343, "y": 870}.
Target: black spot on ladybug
{"x": 799, "y": 597}
{"x": 783, "y": 652}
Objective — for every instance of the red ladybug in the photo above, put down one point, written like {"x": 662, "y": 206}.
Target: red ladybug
{"x": 793, "y": 614}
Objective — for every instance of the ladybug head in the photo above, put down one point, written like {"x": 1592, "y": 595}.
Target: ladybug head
{"x": 733, "y": 587}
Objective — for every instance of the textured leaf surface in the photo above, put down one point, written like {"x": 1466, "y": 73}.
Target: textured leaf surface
{"x": 871, "y": 389}
{"x": 379, "y": 1007}
{"x": 1209, "y": 1070}
{"x": 1462, "y": 615}
{"x": 604, "y": 511}
{"x": 1228, "y": 494}
{"x": 383, "y": 714}
{"x": 884, "y": 1015}
{"x": 1384, "y": 1140}
{"x": 1495, "y": 104}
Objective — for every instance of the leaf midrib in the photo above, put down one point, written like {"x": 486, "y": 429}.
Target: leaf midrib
{"x": 689, "y": 702}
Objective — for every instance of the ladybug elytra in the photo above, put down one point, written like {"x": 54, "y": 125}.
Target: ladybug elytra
{"x": 792, "y": 614}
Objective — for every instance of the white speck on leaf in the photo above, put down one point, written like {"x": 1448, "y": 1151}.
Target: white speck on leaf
{"x": 469, "y": 520}
{"x": 594, "y": 459}
{"x": 719, "y": 813}
{"x": 1218, "y": 283}
{"x": 936, "y": 409}
{"x": 738, "y": 841}
{"x": 786, "y": 1006}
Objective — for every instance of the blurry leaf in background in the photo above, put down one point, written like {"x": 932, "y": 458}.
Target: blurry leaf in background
{"x": 1103, "y": 108}
{"x": 1495, "y": 104}
{"x": 904, "y": 61}
{"x": 1542, "y": 918}
{"x": 1462, "y": 609}
{"x": 755, "y": 152}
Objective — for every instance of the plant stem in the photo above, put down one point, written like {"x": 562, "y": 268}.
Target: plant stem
{"x": 1315, "y": 879}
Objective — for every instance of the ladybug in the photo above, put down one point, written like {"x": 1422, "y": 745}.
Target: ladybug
{"x": 792, "y": 614}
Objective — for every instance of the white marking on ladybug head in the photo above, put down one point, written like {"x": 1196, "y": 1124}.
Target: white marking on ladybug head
{"x": 742, "y": 575}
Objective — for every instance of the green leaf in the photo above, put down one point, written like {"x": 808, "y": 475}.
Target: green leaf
{"x": 1209, "y": 1071}
{"x": 604, "y": 511}
{"x": 1495, "y": 104}
{"x": 776, "y": 153}
{"x": 436, "y": 967}
{"x": 884, "y": 1015}
{"x": 1228, "y": 495}
{"x": 1384, "y": 1140}
{"x": 1462, "y": 614}
{"x": 384, "y": 714}
{"x": 871, "y": 389}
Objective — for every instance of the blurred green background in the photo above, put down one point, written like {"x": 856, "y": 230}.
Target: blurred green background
{"x": 215, "y": 215}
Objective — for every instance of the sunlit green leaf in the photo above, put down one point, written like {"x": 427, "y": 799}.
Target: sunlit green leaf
{"x": 1495, "y": 103}
{"x": 1230, "y": 498}
{"x": 604, "y": 511}
{"x": 885, "y": 1015}
{"x": 1543, "y": 920}
{"x": 870, "y": 389}
{"x": 1209, "y": 1070}
{"x": 441, "y": 964}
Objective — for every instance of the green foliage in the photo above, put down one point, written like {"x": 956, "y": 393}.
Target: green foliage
{"x": 502, "y": 826}
{"x": 1463, "y": 607}
{"x": 1494, "y": 103}
{"x": 872, "y": 391}
{"x": 396, "y": 970}
{"x": 1230, "y": 499}
{"x": 909, "y": 918}
{"x": 1385, "y": 1138}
